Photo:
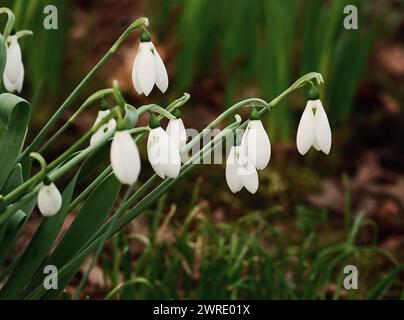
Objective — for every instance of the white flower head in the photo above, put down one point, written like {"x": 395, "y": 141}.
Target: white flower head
{"x": 13, "y": 76}
{"x": 240, "y": 172}
{"x": 255, "y": 142}
{"x": 49, "y": 199}
{"x": 125, "y": 158}
{"x": 148, "y": 68}
{"x": 176, "y": 131}
{"x": 105, "y": 128}
{"x": 162, "y": 152}
{"x": 314, "y": 128}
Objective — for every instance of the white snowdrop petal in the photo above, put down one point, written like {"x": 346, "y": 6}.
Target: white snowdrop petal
{"x": 98, "y": 136}
{"x": 305, "y": 130}
{"x": 13, "y": 62}
{"x": 322, "y": 129}
{"x": 257, "y": 144}
{"x": 161, "y": 71}
{"x": 10, "y": 86}
{"x": 125, "y": 159}
{"x": 249, "y": 177}
{"x": 20, "y": 80}
{"x": 176, "y": 131}
{"x": 172, "y": 166}
{"x": 104, "y": 129}
{"x": 49, "y": 200}
{"x": 154, "y": 152}
{"x": 232, "y": 179}
{"x": 145, "y": 68}
{"x": 135, "y": 79}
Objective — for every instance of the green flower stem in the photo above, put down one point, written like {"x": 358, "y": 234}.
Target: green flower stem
{"x": 10, "y": 22}
{"x": 245, "y": 103}
{"x": 90, "y": 100}
{"x": 156, "y": 109}
{"x": 139, "y": 23}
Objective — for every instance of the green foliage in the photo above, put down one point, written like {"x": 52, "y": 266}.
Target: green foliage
{"x": 193, "y": 257}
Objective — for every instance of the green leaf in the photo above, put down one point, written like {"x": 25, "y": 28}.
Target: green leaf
{"x": 7, "y": 229}
{"x": 87, "y": 222}
{"x": 38, "y": 248}
{"x": 14, "y": 118}
{"x": 380, "y": 289}
{"x": 3, "y": 56}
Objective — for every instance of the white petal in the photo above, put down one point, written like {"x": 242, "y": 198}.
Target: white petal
{"x": 176, "y": 131}
{"x": 305, "y": 131}
{"x": 232, "y": 178}
{"x": 145, "y": 68}
{"x": 135, "y": 79}
{"x": 49, "y": 200}
{"x": 104, "y": 129}
{"x": 249, "y": 177}
{"x": 172, "y": 166}
{"x": 13, "y": 62}
{"x": 153, "y": 152}
{"x": 257, "y": 145}
{"x": 322, "y": 128}
{"x": 125, "y": 159}
{"x": 161, "y": 72}
{"x": 10, "y": 86}
{"x": 163, "y": 154}
{"x": 20, "y": 80}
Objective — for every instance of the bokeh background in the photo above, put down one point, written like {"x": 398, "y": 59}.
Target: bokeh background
{"x": 312, "y": 215}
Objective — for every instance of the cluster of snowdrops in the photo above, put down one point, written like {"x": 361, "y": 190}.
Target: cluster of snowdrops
{"x": 249, "y": 153}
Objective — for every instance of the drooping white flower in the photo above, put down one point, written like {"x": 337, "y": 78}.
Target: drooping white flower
{"x": 240, "y": 172}
{"x": 148, "y": 68}
{"x": 314, "y": 129}
{"x": 13, "y": 76}
{"x": 176, "y": 131}
{"x": 49, "y": 200}
{"x": 125, "y": 159}
{"x": 162, "y": 152}
{"x": 104, "y": 129}
{"x": 256, "y": 142}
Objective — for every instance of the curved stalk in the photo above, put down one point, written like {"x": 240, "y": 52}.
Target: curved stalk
{"x": 139, "y": 23}
{"x": 91, "y": 99}
{"x": 10, "y": 22}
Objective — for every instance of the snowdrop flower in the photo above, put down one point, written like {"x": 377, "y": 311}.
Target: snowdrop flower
{"x": 240, "y": 172}
{"x": 125, "y": 159}
{"x": 148, "y": 68}
{"x": 13, "y": 76}
{"x": 314, "y": 129}
{"x": 105, "y": 128}
{"x": 162, "y": 152}
{"x": 176, "y": 130}
{"x": 255, "y": 142}
{"x": 49, "y": 199}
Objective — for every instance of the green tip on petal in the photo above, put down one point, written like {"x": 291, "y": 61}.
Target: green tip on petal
{"x": 154, "y": 122}
{"x": 121, "y": 125}
{"x": 104, "y": 105}
{"x": 145, "y": 36}
{"x": 254, "y": 114}
{"x": 313, "y": 93}
{"x": 176, "y": 113}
